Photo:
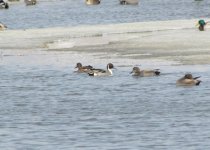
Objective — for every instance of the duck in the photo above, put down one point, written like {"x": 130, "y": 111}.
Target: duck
{"x": 188, "y": 80}
{"x": 129, "y": 2}
{"x": 83, "y": 69}
{"x": 30, "y": 2}
{"x": 2, "y": 27}
{"x": 13, "y": 0}
{"x": 93, "y": 2}
{"x": 3, "y": 5}
{"x": 102, "y": 72}
{"x": 144, "y": 73}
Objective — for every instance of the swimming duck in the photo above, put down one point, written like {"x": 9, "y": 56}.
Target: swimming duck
{"x": 2, "y": 27}
{"x": 129, "y": 2}
{"x": 93, "y": 2}
{"x": 188, "y": 80}
{"x": 82, "y": 69}
{"x": 101, "y": 72}
{"x": 30, "y": 2}
{"x": 3, "y": 5}
{"x": 13, "y": 0}
{"x": 145, "y": 73}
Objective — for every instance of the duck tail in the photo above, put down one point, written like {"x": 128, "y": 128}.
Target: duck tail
{"x": 196, "y": 77}
{"x": 198, "y": 82}
{"x": 91, "y": 73}
{"x": 6, "y": 5}
{"x": 157, "y": 72}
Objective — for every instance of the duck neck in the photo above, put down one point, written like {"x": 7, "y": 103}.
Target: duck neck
{"x": 109, "y": 70}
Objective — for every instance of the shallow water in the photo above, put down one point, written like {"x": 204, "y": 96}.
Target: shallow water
{"x": 45, "y": 105}
{"x": 51, "y": 13}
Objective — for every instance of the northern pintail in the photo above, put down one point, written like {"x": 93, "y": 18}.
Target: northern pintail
{"x": 82, "y": 69}
{"x": 101, "y": 72}
{"x": 145, "y": 73}
{"x": 129, "y": 2}
{"x": 30, "y": 2}
{"x": 188, "y": 80}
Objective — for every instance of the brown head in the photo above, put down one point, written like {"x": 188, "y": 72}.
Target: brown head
{"x": 135, "y": 70}
{"x": 78, "y": 65}
{"x": 188, "y": 76}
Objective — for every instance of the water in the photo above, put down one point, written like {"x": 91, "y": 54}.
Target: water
{"x": 45, "y": 105}
{"x": 51, "y": 13}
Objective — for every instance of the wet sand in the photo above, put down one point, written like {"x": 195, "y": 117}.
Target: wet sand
{"x": 177, "y": 40}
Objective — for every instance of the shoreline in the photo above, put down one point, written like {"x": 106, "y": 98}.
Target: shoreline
{"x": 177, "y": 40}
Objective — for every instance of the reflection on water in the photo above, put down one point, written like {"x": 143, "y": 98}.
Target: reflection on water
{"x": 50, "y": 107}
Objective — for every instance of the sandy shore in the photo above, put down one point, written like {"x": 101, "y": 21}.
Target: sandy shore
{"x": 177, "y": 40}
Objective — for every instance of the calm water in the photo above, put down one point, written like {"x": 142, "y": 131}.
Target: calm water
{"x": 44, "y": 105}
{"x": 51, "y": 107}
{"x": 50, "y": 13}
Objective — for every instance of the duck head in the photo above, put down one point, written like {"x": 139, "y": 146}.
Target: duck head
{"x": 78, "y": 65}
{"x": 188, "y": 76}
{"x": 135, "y": 70}
{"x": 110, "y": 66}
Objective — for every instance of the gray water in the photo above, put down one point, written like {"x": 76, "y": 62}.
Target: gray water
{"x": 49, "y": 107}
{"x": 51, "y": 13}
{"x": 44, "y": 105}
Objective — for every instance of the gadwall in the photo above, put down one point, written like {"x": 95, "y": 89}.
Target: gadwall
{"x": 3, "y": 5}
{"x": 101, "y": 72}
{"x": 188, "y": 80}
{"x": 145, "y": 73}
{"x": 30, "y": 2}
{"x": 13, "y": 0}
{"x": 129, "y": 2}
{"x": 82, "y": 69}
{"x": 93, "y": 2}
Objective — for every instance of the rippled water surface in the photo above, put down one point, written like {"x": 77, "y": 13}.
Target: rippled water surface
{"x": 45, "y": 105}
{"x": 50, "y": 107}
{"x": 50, "y": 13}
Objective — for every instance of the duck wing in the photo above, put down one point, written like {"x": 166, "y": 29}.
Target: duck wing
{"x": 188, "y": 82}
{"x": 98, "y": 70}
{"x": 93, "y": 72}
{"x": 87, "y": 67}
{"x": 151, "y": 72}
